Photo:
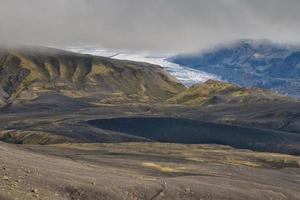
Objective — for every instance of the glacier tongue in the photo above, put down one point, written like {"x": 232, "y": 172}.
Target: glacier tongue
{"x": 185, "y": 75}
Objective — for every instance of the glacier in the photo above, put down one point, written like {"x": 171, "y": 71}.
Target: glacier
{"x": 185, "y": 75}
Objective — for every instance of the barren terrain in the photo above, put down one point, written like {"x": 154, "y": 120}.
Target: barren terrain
{"x": 145, "y": 171}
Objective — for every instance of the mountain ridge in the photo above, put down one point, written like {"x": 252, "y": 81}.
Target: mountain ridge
{"x": 215, "y": 92}
{"x": 258, "y": 63}
{"x": 28, "y": 72}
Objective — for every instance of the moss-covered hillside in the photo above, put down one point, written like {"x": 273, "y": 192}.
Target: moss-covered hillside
{"x": 215, "y": 92}
{"x": 27, "y": 73}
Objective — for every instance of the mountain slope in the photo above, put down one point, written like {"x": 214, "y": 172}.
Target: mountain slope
{"x": 247, "y": 63}
{"x": 215, "y": 92}
{"x": 134, "y": 171}
{"x": 27, "y": 73}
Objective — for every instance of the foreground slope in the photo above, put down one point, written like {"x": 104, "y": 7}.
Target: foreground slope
{"x": 139, "y": 171}
{"x": 31, "y": 72}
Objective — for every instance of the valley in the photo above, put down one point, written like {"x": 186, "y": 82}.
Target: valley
{"x": 85, "y": 127}
{"x": 149, "y": 100}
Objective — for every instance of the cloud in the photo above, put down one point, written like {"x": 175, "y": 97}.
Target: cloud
{"x": 157, "y": 25}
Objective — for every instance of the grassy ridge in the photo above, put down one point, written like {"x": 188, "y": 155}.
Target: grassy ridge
{"x": 216, "y": 92}
{"x": 32, "y": 137}
{"x": 27, "y": 73}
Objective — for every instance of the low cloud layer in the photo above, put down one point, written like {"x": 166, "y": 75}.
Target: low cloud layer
{"x": 156, "y": 25}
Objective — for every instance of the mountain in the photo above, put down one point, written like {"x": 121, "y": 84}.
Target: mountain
{"x": 53, "y": 96}
{"x": 258, "y": 63}
{"x": 28, "y": 73}
{"x": 215, "y": 92}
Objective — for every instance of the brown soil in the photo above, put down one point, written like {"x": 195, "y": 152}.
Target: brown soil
{"x": 144, "y": 171}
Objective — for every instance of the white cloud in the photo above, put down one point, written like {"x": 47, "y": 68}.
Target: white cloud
{"x": 159, "y": 25}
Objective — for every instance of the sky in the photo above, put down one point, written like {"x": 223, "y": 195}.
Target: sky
{"x": 148, "y": 25}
